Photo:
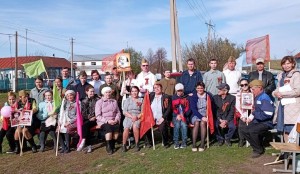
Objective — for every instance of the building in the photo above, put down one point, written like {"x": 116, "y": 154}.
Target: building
{"x": 89, "y": 63}
{"x": 53, "y": 66}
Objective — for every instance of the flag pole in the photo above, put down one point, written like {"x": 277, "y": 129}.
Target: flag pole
{"x": 57, "y": 141}
{"x": 207, "y": 134}
{"x": 152, "y": 137}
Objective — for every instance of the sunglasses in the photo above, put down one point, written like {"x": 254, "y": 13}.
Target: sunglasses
{"x": 242, "y": 85}
{"x": 144, "y": 65}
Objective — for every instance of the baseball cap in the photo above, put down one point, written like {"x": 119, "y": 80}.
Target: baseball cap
{"x": 260, "y": 60}
{"x": 256, "y": 83}
{"x": 179, "y": 86}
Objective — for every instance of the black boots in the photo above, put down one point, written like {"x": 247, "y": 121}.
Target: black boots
{"x": 108, "y": 147}
{"x": 33, "y": 146}
{"x": 42, "y": 141}
{"x": 17, "y": 148}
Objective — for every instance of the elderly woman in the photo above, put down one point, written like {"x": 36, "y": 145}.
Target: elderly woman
{"x": 132, "y": 112}
{"x": 67, "y": 120}
{"x": 288, "y": 95}
{"x": 200, "y": 103}
{"x": 89, "y": 117}
{"x": 46, "y": 111}
{"x": 108, "y": 118}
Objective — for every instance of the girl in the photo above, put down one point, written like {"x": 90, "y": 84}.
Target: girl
{"x": 46, "y": 111}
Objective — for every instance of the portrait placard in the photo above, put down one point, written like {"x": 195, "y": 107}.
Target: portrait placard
{"x": 21, "y": 118}
{"x": 247, "y": 100}
{"x": 123, "y": 62}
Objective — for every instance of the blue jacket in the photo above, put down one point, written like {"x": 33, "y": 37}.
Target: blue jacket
{"x": 264, "y": 110}
{"x": 193, "y": 104}
{"x": 189, "y": 82}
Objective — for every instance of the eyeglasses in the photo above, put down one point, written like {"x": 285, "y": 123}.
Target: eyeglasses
{"x": 144, "y": 65}
{"x": 242, "y": 85}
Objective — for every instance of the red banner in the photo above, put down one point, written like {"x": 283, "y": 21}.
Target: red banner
{"x": 258, "y": 48}
{"x": 147, "y": 119}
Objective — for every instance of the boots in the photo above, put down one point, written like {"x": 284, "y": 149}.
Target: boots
{"x": 113, "y": 145}
{"x": 124, "y": 149}
{"x": 17, "y": 148}
{"x": 33, "y": 145}
{"x": 52, "y": 134}
{"x": 42, "y": 142}
{"x": 108, "y": 147}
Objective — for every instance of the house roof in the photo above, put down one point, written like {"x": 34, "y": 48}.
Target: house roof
{"x": 297, "y": 55}
{"x": 49, "y": 62}
{"x": 91, "y": 57}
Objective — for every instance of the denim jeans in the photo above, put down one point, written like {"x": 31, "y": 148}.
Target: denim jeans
{"x": 228, "y": 132}
{"x": 179, "y": 125}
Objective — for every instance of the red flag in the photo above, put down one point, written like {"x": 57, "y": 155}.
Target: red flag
{"x": 258, "y": 48}
{"x": 79, "y": 121}
{"x": 210, "y": 117}
{"x": 109, "y": 62}
{"x": 147, "y": 119}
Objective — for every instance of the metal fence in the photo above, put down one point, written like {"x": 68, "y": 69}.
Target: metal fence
{"x": 23, "y": 83}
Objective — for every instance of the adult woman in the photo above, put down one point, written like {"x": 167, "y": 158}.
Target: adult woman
{"x": 67, "y": 120}
{"x": 6, "y": 129}
{"x": 132, "y": 111}
{"x": 58, "y": 82}
{"x": 46, "y": 111}
{"x": 240, "y": 113}
{"x": 161, "y": 107}
{"x": 38, "y": 91}
{"x": 200, "y": 103}
{"x": 96, "y": 81}
{"x": 89, "y": 117}
{"x": 288, "y": 95}
{"x": 126, "y": 86}
{"x": 108, "y": 118}
{"x": 26, "y": 103}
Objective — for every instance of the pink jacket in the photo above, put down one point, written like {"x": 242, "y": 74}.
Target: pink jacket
{"x": 107, "y": 109}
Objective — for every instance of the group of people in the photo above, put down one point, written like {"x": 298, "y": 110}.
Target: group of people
{"x": 209, "y": 104}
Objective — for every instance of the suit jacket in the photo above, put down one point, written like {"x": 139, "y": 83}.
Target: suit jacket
{"x": 267, "y": 78}
{"x": 166, "y": 103}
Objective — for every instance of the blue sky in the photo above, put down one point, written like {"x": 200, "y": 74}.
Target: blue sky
{"x": 103, "y": 26}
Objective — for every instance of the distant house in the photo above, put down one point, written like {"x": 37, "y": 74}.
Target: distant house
{"x": 89, "y": 63}
{"x": 53, "y": 66}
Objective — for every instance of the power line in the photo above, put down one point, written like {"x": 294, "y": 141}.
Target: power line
{"x": 200, "y": 10}
{"x": 206, "y": 11}
{"x": 196, "y": 14}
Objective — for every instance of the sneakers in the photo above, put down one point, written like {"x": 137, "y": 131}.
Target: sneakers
{"x": 183, "y": 146}
{"x": 201, "y": 149}
{"x": 256, "y": 155}
{"x": 241, "y": 143}
{"x": 228, "y": 143}
{"x": 89, "y": 149}
{"x": 220, "y": 143}
{"x": 10, "y": 151}
{"x": 176, "y": 146}
{"x": 81, "y": 145}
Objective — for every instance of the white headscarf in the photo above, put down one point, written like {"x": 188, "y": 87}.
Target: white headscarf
{"x": 105, "y": 89}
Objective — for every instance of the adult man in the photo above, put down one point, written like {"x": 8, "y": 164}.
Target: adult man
{"x": 68, "y": 81}
{"x": 108, "y": 83}
{"x": 225, "y": 104}
{"x": 96, "y": 81}
{"x": 145, "y": 79}
{"x": 232, "y": 76}
{"x": 116, "y": 78}
{"x": 260, "y": 121}
{"x": 168, "y": 84}
{"x": 213, "y": 77}
{"x": 80, "y": 87}
{"x": 265, "y": 76}
{"x": 190, "y": 77}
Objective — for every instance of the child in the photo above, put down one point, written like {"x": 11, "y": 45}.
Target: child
{"x": 6, "y": 126}
{"x": 180, "y": 106}
{"x": 46, "y": 111}
{"x": 67, "y": 120}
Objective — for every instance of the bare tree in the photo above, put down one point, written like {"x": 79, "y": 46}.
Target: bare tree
{"x": 160, "y": 61}
{"x": 150, "y": 56}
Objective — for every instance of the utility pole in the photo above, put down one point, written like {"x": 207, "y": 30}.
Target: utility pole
{"x": 72, "y": 43}
{"x": 16, "y": 65}
{"x": 26, "y": 41}
{"x": 178, "y": 46}
{"x": 173, "y": 44}
{"x": 209, "y": 26}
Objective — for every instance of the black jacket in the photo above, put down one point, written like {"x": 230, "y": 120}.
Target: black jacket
{"x": 267, "y": 78}
{"x": 166, "y": 103}
{"x": 225, "y": 107}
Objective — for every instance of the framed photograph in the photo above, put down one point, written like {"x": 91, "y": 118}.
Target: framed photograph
{"x": 247, "y": 100}
{"x": 123, "y": 62}
{"x": 26, "y": 117}
{"x": 14, "y": 118}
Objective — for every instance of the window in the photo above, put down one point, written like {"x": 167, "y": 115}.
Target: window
{"x": 83, "y": 63}
{"x": 74, "y": 63}
{"x": 93, "y": 63}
